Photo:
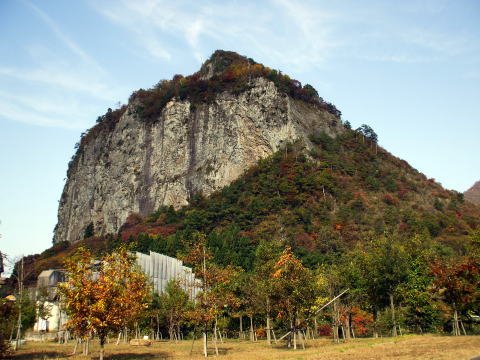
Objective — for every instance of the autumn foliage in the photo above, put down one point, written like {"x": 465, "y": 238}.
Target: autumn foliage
{"x": 102, "y": 296}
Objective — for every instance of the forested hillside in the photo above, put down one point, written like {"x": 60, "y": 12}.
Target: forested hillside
{"x": 353, "y": 215}
{"x": 320, "y": 202}
{"x": 314, "y": 219}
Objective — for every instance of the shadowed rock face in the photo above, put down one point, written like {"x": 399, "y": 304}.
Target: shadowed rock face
{"x": 473, "y": 194}
{"x": 139, "y": 166}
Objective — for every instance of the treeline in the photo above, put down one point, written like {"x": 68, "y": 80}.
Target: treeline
{"x": 321, "y": 202}
{"x": 390, "y": 285}
{"x": 346, "y": 216}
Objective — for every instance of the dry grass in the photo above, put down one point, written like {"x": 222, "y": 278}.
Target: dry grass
{"x": 406, "y": 348}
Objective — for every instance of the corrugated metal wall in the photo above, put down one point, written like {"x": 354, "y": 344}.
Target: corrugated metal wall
{"x": 161, "y": 269}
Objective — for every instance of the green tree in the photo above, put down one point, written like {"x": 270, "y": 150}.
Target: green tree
{"x": 265, "y": 258}
{"x": 384, "y": 263}
{"x": 174, "y": 306}
{"x": 216, "y": 287}
{"x": 8, "y": 314}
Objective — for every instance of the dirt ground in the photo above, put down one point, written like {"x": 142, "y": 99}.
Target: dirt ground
{"x": 404, "y": 347}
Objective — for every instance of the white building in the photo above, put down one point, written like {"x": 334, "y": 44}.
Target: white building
{"x": 159, "y": 268}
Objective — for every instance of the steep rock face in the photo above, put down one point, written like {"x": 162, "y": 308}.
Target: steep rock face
{"x": 139, "y": 166}
{"x": 473, "y": 194}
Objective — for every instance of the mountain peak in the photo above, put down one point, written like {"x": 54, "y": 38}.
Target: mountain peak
{"x": 219, "y": 61}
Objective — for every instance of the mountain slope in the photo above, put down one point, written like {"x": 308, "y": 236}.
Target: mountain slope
{"x": 320, "y": 200}
{"x": 185, "y": 136}
{"x": 473, "y": 194}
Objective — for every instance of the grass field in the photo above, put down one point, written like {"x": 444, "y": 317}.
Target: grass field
{"x": 404, "y": 347}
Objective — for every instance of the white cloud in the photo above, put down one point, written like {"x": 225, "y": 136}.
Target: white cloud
{"x": 62, "y": 78}
{"x": 444, "y": 44}
{"x": 58, "y": 89}
{"x": 282, "y": 31}
{"x": 51, "y": 112}
{"x": 54, "y": 95}
{"x": 71, "y": 44}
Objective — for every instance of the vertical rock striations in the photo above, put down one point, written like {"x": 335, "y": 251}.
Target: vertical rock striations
{"x": 137, "y": 166}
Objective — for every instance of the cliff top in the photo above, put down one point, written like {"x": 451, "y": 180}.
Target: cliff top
{"x": 220, "y": 61}
{"x": 224, "y": 71}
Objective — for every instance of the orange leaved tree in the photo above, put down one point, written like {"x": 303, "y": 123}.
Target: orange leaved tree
{"x": 103, "y": 296}
{"x": 295, "y": 289}
{"x": 215, "y": 294}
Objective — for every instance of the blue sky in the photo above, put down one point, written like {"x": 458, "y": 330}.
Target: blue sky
{"x": 409, "y": 69}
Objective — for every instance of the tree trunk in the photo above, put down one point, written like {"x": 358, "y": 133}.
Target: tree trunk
{"x": 215, "y": 338}
{"x": 193, "y": 342}
{"x": 20, "y": 291}
{"x": 375, "y": 331}
{"x": 269, "y": 339}
{"x": 347, "y": 326}
{"x": 336, "y": 336}
{"x": 241, "y": 327}
{"x": 290, "y": 334}
{"x": 86, "y": 346}
{"x": 252, "y": 335}
{"x": 456, "y": 327}
{"x": 205, "y": 342}
{"x": 102, "y": 347}
{"x": 295, "y": 335}
{"x": 269, "y": 336}
{"x": 394, "y": 322}
{"x": 76, "y": 344}
{"x": 463, "y": 328}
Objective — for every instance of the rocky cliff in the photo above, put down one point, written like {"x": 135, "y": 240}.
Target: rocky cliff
{"x": 473, "y": 194}
{"x": 136, "y": 166}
